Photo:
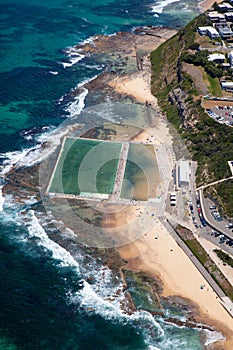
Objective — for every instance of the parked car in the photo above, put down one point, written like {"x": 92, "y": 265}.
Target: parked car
{"x": 230, "y": 225}
{"x": 222, "y": 238}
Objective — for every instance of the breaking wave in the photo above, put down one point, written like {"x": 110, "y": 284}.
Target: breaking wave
{"x": 160, "y": 5}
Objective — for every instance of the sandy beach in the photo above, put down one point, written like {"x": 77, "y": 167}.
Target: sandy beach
{"x": 138, "y": 85}
{"x": 157, "y": 253}
{"x": 206, "y": 4}
{"x": 163, "y": 258}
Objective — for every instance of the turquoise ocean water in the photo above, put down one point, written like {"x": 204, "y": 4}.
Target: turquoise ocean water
{"x": 45, "y": 301}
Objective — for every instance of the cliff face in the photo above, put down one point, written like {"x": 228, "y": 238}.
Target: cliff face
{"x": 178, "y": 67}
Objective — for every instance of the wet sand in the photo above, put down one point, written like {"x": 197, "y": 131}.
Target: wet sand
{"x": 163, "y": 258}
{"x": 156, "y": 252}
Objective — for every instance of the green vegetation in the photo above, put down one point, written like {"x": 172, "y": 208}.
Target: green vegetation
{"x": 224, "y": 257}
{"x": 200, "y": 58}
{"x": 196, "y": 248}
{"x": 209, "y": 142}
{"x": 224, "y": 194}
{"x": 214, "y": 88}
{"x": 86, "y": 166}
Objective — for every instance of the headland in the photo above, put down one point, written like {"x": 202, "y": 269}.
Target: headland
{"x": 151, "y": 248}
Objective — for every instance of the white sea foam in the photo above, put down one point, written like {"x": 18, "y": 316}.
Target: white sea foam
{"x": 212, "y": 337}
{"x": 33, "y": 155}
{"x": 72, "y": 60}
{"x": 48, "y": 131}
{"x": 95, "y": 66}
{"x": 74, "y": 57}
{"x": 161, "y": 4}
{"x": 103, "y": 297}
{"x": 59, "y": 253}
{"x": 75, "y": 107}
{"x": 1, "y": 199}
{"x": 88, "y": 297}
{"x": 89, "y": 40}
{"x": 74, "y": 54}
{"x": 19, "y": 158}
{"x": 111, "y": 310}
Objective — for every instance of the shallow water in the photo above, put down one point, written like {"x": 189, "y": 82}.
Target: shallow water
{"x": 45, "y": 300}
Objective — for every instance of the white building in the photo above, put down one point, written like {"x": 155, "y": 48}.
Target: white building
{"x": 214, "y": 16}
{"x": 184, "y": 173}
{"x": 225, "y": 32}
{"x": 230, "y": 57}
{"x": 225, "y": 7}
{"x": 227, "y": 85}
{"x": 208, "y": 30}
{"x": 229, "y": 16}
{"x": 216, "y": 57}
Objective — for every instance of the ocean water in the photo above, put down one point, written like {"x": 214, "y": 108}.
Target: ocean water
{"x": 45, "y": 299}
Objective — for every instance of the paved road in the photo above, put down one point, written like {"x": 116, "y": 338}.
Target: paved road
{"x": 218, "y": 226}
{"x": 205, "y": 232}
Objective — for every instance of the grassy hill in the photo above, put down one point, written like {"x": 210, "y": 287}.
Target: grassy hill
{"x": 210, "y": 143}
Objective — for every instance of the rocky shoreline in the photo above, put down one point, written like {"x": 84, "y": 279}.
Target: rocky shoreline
{"x": 23, "y": 182}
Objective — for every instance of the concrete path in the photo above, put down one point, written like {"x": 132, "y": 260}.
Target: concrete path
{"x": 120, "y": 172}
{"x": 215, "y": 183}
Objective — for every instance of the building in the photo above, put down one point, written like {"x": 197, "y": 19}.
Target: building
{"x": 229, "y": 16}
{"x": 214, "y": 16}
{"x": 225, "y": 7}
{"x": 184, "y": 173}
{"x": 225, "y": 33}
{"x": 216, "y": 57}
{"x": 202, "y": 30}
{"x": 227, "y": 85}
{"x": 208, "y": 30}
{"x": 230, "y": 57}
{"x": 221, "y": 25}
{"x": 226, "y": 66}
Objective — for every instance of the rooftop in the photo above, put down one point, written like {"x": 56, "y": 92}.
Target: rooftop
{"x": 225, "y": 30}
{"x": 215, "y": 14}
{"x": 225, "y": 5}
{"x": 184, "y": 171}
{"x": 216, "y": 56}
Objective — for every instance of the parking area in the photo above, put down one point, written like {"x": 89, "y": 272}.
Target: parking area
{"x": 196, "y": 212}
{"x": 220, "y": 109}
{"x": 222, "y": 235}
{"x": 222, "y": 114}
{"x": 221, "y": 241}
